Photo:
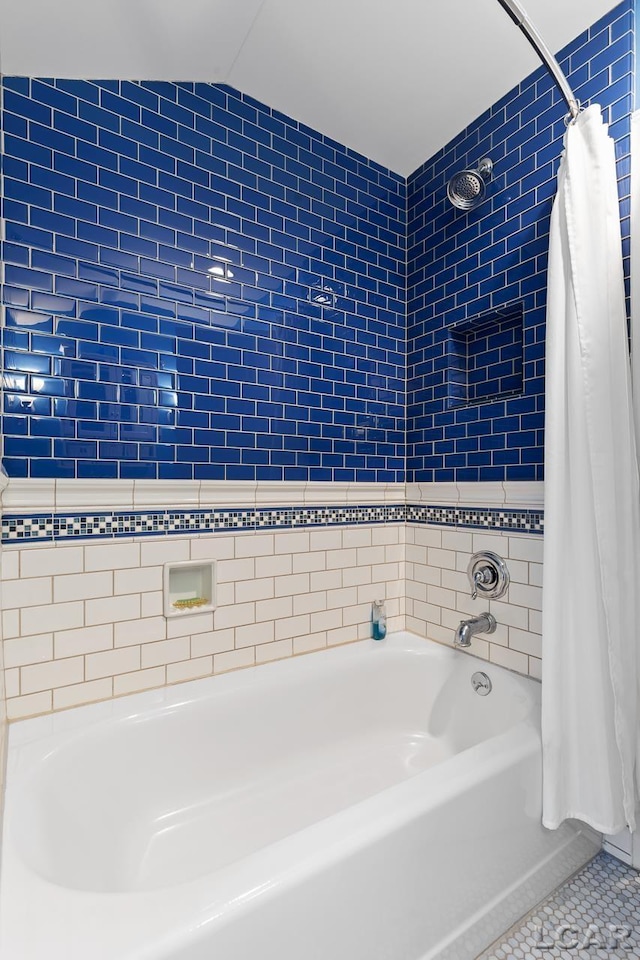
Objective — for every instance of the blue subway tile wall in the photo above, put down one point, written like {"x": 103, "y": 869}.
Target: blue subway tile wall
{"x": 196, "y": 286}
{"x": 463, "y": 265}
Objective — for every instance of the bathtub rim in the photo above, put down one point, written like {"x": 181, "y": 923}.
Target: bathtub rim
{"x": 83, "y": 717}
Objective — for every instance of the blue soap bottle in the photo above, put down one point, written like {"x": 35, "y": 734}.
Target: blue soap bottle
{"x": 378, "y": 620}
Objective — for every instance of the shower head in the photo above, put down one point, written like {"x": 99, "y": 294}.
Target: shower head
{"x": 467, "y": 188}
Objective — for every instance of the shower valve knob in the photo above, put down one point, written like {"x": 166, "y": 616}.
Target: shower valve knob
{"x": 488, "y": 575}
{"x": 484, "y": 576}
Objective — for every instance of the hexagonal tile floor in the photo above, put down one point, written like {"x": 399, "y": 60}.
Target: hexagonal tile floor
{"x": 594, "y": 915}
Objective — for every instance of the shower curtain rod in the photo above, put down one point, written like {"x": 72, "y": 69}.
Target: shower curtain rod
{"x": 521, "y": 19}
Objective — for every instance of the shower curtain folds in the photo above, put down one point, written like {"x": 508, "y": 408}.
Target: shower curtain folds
{"x": 592, "y": 515}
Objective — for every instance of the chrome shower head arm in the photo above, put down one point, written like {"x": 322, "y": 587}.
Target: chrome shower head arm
{"x": 519, "y": 16}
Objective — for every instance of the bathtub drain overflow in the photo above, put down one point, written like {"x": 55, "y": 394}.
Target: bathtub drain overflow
{"x": 481, "y": 683}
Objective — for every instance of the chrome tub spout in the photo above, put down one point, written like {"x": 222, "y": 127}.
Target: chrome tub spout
{"x": 485, "y": 623}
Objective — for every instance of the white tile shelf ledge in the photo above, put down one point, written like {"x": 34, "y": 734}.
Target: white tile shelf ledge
{"x": 30, "y": 495}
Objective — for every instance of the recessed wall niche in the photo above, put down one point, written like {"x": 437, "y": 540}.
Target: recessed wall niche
{"x": 485, "y": 357}
{"x": 189, "y": 587}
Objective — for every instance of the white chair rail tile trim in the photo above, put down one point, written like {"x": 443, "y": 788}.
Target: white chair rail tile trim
{"x": 29, "y": 495}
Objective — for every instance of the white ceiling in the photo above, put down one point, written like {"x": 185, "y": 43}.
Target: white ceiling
{"x": 393, "y": 79}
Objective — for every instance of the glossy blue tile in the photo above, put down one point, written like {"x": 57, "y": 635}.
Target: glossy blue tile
{"x": 141, "y": 470}
{"x": 54, "y": 346}
{"x": 25, "y": 106}
{"x": 115, "y": 374}
{"x": 139, "y": 358}
{"x": 33, "y": 279}
{"x": 71, "y": 370}
{"x": 49, "y": 303}
{"x": 97, "y": 469}
{"x": 17, "y": 426}
{"x": 117, "y": 336}
{"x": 26, "y": 320}
{"x": 51, "y": 427}
{"x": 118, "y": 412}
{"x": 76, "y": 330}
{"x": 15, "y": 382}
{"x": 75, "y": 409}
{"x": 140, "y": 432}
{"x": 27, "y": 447}
{"x": 96, "y": 430}
{"x": 75, "y": 449}
{"x": 116, "y": 258}
{"x": 104, "y": 351}
{"x": 16, "y": 340}
{"x": 14, "y": 360}
{"x": 88, "y": 390}
{"x": 53, "y": 468}
{"x": 98, "y": 313}
{"x": 21, "y": 404}
{"x": 76, "y": 289}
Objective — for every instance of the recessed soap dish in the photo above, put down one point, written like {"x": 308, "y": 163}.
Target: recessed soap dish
{"x": 189, "y": 587}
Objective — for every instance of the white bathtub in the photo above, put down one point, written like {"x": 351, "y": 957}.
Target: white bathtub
{"x": 362, "y": 803}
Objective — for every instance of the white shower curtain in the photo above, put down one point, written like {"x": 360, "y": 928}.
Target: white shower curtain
{"x": 592, "y": 516}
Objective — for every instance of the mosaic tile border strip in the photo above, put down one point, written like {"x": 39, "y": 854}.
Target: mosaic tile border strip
{"x": 485, "y": 518}
{"x": 49, "y": 527}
